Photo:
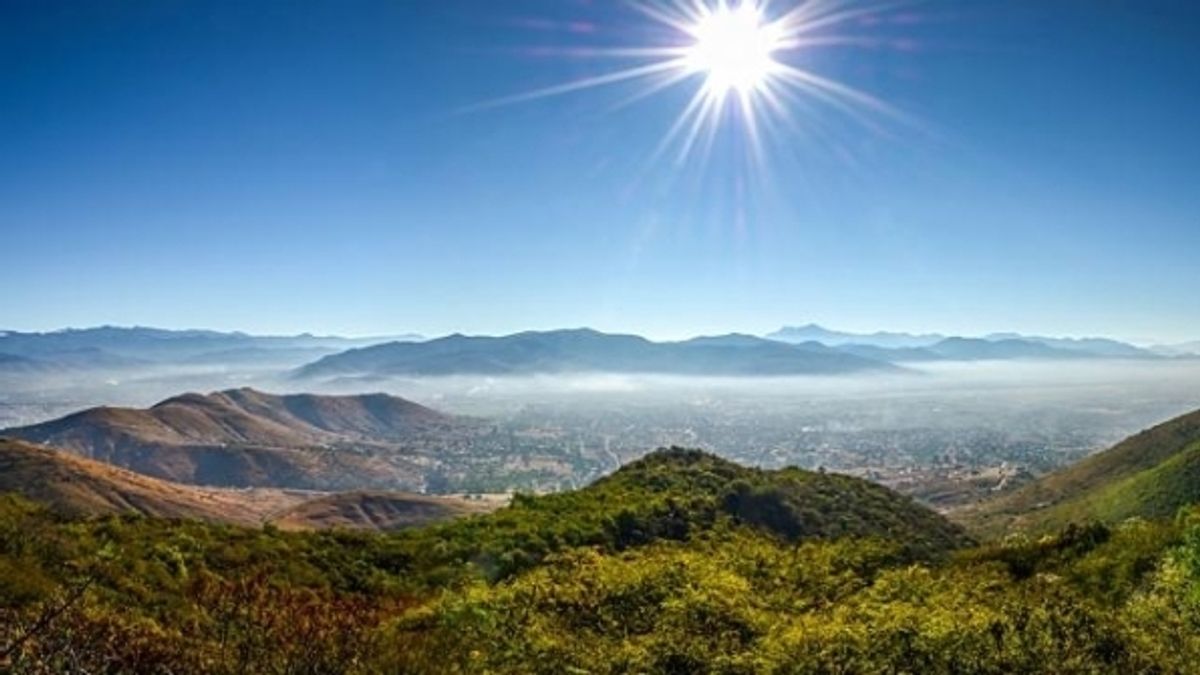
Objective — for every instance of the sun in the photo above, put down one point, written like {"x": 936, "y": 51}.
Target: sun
{"x": 744, "y": 55}
{"x": 734, "y": 49}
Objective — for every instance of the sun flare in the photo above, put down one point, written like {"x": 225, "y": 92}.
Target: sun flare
{"x": 742, "y": 55}
{"x": 734, "y": 49}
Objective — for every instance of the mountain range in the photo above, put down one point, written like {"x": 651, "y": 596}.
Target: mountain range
{"x": 111, "y": 347}
{"x": 585, "y": 350}
{"x": 802, "y": 350}
{"x": 814, "y": 333}
{"x": 908, "y": 346}
{"x": 1180, "y": 349}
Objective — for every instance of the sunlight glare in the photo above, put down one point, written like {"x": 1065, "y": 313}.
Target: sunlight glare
{"x": 734, "y": 49}
{"x": 738, "y": 54}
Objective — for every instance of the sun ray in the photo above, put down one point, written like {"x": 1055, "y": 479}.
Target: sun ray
{"x": 737, "y": 53}
{"x": 585, "y": 83}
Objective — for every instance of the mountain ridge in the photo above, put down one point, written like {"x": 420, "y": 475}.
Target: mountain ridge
{"x": 586, "y": 350}
{"x": 138, "y": 345}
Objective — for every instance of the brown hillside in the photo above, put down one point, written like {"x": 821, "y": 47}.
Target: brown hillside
{"x": 79, "y": 486}
{"x": 377, "y": 511}
{"x": 247, "y": 438}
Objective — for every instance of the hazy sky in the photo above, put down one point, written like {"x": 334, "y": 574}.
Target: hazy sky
{"x": 286, "y": 166}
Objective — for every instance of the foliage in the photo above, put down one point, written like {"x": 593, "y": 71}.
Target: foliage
{"x": 678, "y": 564}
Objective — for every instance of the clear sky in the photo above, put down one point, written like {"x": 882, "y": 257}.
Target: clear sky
{"x": 326, "y": 166}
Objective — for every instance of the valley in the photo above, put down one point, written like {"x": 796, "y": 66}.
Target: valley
{"x": 949, "y": 435}
{"x": 976, "y": 517}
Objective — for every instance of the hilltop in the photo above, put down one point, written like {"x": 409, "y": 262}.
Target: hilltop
{"x": 1150, "y": 474}
{"x": 678, "y": 494}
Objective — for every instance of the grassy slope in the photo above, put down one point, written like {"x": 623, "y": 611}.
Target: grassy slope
{"x": 1152, "y": 473}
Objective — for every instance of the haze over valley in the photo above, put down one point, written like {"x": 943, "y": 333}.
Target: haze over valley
{"x": 945, "y": 419}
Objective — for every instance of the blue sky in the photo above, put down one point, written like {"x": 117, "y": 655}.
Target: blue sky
{"x": 283, "y": 167}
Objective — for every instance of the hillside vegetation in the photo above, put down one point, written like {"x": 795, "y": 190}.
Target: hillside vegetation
{"x": 679, "y": 563}
{"x": 1151, "y": 474}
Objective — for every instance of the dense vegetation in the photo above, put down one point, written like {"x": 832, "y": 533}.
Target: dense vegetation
{"x": 680, "y": 563}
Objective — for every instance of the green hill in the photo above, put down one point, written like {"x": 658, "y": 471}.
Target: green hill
{"x": 676, "y": 494}
{"x": 1150, "y": 474}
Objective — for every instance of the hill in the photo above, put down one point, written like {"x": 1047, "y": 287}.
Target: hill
{"x": 793, "y": 503}
{"x": 675, "y": 495}
{"x": 375, "y": 510}
{"x": 76, "y": 486}
{"x": 589, "y": 351}
{"x": 82, "y": 487}
{"x": 1150, "y": 474}
{"x": 247, "y": 438}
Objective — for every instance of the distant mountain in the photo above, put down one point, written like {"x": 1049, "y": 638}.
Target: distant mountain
{"x": 965, "y": 349}
{"x": 11, "y": 364}
{"x": 1091, "y": 346}
{"x": 1181, "y": 349}
{"x": 905, "y": 347}
{"x": 109, "y": 346}
{"x": 893, "y": 355}
{"x": 1151, "y": 474}
{"x": 978, "y": 349}
{"x": 245, "y": 438}
{"x": 267, "y": 356}
{"x": 814, "y": 333}
{"x": 729, "y": 340}
{"x": 587, "y": 350}
{"x": 67, "y": 361}
{"x": 78, "y": 486}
